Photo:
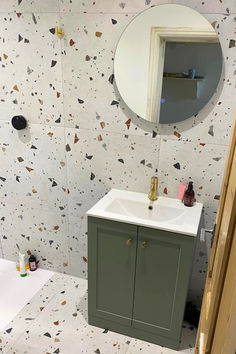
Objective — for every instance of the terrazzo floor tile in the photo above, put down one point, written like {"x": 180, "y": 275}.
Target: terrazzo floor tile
{"x": 186, "y": 346}
{"x": 26, "y": 288}
{"x": 6, "y": 344}
{"x": 61, "y": 327}
{"x": 27, "y": 315}
{"x": 139, "y": 346}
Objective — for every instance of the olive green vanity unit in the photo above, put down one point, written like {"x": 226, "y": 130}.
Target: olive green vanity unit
{"x": 138, "y": 280}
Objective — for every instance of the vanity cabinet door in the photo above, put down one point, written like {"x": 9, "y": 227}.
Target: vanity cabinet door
{"x": 111, "y": 270}
{"x": 162, "y": 276}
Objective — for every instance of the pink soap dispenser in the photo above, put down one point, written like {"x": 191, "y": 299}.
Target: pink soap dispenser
{"x": 182, "y": 189}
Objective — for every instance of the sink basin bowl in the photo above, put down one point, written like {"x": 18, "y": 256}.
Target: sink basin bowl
{"x": 140, "y": 210}
{"x": 167, "y": 213}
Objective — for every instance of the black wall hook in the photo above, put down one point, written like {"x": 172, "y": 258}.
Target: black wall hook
{"x": 19, "y": 122}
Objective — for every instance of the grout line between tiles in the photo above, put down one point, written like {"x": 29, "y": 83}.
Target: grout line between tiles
{"x": 120, "y": 133}
{"x": 104, "y": 13}
{"x": 65, "y": 153}
{"x": 137, "y": 13}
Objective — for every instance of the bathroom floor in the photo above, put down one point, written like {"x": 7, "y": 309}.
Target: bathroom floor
{"x": 55, "y": 321}
{"x": 15, "y": 291}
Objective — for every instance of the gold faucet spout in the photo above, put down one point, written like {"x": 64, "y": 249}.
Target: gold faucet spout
{"x": 152, "y": 195}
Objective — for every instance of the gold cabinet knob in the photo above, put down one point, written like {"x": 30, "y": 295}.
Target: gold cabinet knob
{"x": 144, "y": 244}
{"x": 129, "y": 242}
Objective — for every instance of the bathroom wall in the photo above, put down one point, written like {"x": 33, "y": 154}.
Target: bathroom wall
{"x": 81, "y": 138}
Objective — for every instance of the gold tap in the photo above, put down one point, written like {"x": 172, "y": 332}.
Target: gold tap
{"x": 59, "y": 32}
{"x": 152, "y": 195}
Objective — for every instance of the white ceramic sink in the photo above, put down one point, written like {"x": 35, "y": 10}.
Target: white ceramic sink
{"x": 130, "y": 207}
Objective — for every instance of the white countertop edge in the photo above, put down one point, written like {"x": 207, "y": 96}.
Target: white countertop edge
{"x": 96, "y": 211}
{"x": 109, "y": 216}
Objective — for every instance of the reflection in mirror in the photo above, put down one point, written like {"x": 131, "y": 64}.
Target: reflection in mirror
{"x": 189, "y": 78}
{"x": 184, "y": 70}
{"x": 168, "y": 63}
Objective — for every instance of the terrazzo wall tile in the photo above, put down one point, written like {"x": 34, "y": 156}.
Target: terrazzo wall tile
{"x": 180, "y": 162}
{"x": 106, "y": 6}
{"x": 30, "y": 68}
{"x": 36, "y": 231}
{"x": 88, "y": 52}
{"x": 78, "y": 246}
{"x": 209, "y": 6}
{"x": 91, "y": 100}
{"x": 1, "y": 254}
{"x": 97, "y": 163}
{"x": 209, "y": 131}
{"x": 204, "y": 164}
{"x": 33, "y": 166}
{"x": 29, "y": 5}
{"x": 225, "y": 28}
{"x": 199, "y": 270}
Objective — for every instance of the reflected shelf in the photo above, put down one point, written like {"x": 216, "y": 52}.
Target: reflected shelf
{"x": 183, "y": 78}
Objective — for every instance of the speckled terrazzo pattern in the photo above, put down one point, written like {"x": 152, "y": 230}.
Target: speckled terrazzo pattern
{"x": 82, "y": 139}
{"x": 101, "y": 164}
{"x": 30, "y": 67}
{"x": 55, "y": 321}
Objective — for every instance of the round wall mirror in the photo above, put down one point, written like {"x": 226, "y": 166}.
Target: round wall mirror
{"x": 168, "y": 63}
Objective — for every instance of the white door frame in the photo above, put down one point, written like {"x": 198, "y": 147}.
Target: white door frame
{"x": 158, "y": 38}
